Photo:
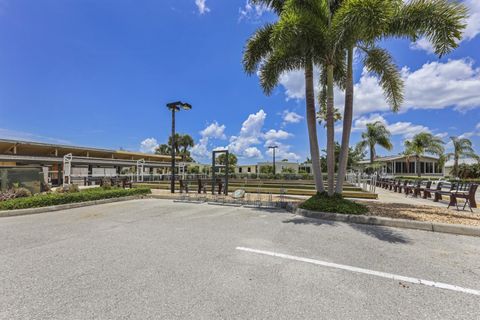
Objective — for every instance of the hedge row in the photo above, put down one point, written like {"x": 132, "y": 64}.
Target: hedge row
{"x": 53, "y": 199}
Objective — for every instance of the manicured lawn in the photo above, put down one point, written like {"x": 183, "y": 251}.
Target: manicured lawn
{"x": 52, "y": 199}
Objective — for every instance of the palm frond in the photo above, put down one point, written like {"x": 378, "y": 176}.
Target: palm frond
{"x": 380, "y": 62}
{"x": 440, "y": 21}
{"x": 257, "y": 48}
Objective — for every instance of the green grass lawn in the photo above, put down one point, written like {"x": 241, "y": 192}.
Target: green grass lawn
{"x": 52, "y": 199}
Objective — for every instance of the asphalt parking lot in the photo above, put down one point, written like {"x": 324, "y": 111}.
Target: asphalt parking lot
{"x": 156, "y": 259}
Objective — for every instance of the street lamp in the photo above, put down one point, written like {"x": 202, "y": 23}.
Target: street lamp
{"x": 273, "y": 148}
{"x": 175, "y": 107}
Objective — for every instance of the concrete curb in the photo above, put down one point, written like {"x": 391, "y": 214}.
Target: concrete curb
{"x": 21, "y": 212}
{"x": 457, "y": 229}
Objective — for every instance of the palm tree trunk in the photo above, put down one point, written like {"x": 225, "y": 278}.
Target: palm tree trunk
{"x": 417, "y": 167}
{"x": 372, "y": 153}
{"x": 330, "y": 132}
{"x": 347, "y": 124}
{"x": 455, "y": 167}
{"x": 312, "y": 126}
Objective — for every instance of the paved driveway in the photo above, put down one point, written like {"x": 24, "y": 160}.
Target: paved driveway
{"x": 155, "y": 259}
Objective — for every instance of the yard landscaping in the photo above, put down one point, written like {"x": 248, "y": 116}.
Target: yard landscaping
{"x": 54, "y": 198}
{"x": 422, "y": 213}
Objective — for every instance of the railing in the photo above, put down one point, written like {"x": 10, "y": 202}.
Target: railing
{"x": 365, "y": 182}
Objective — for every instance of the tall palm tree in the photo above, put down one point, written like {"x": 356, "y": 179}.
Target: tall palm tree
{"x": 286, "y": 45}
{"x": 376, "y": 133}
{"x": 424, "y": 143}
{"x": 441, "y": 21}
{"x": 462, "y": 148}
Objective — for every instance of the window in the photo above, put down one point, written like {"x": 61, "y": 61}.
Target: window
{"x": 249, "y": 169}
{"x": 240, "y": 170}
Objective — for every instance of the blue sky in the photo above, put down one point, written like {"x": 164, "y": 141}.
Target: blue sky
{"x": 99, "y": 72}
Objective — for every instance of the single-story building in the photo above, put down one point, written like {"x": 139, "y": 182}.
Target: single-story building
{"x": 401, "y": 165}
{"x": 246, "y": 169}
{"x": 86, "y": 161}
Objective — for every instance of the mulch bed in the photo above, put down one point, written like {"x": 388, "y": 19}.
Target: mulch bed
{"x": 423, "y": 213}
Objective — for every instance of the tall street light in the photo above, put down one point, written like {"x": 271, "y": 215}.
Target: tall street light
{"x": 175, "y": 107}
{"x": 273, "y": 148}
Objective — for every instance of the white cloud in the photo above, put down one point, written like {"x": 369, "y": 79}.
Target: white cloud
{"x": 202, "y": 6}
{"x": 436, "y": 85}
{"x": 294, "y": 83}
{"x": 27, "y": 136}
{"x": 422, "y": 44}
{"x": 442, "y": 135}
{"x": 248, "y": 143}
{"x": 291, "y": 117}
{"x": 148, "y": 145}
{"x": 405, "y": 129}
{"x": 212, "y": 131}
{"x": 252, "y": 12}
{"x": 272, "y": 136}
{"x": 471, "y": 31}
{"x": 250, "y": 135}
{"x": 473, "y": 133}
{"x": 252, "y": 152}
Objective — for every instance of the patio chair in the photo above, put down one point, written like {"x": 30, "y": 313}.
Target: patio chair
{"x": 410, "y": 186}
{"x": 419, "y": 188}
{"x": 439, "y": 193}
{"x": 427, "y": 192}
{"x": 469, "y": 197}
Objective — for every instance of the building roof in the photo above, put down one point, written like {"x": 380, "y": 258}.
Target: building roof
{"x": 394, "y": 158}
{"x": 31, "y": 148}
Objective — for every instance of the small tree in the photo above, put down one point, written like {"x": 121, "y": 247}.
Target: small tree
{"x": 424, "y": 143}
{"x": 232, "y": 161}
{"x": 462, "y": 148}
{"x": 376, "y": 133}
{"x": 266, "y": 169}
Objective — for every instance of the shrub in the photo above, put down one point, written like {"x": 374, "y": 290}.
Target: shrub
{"x": 22, "y": 193}
{"x": 7, "y": 195}
{"x": 52, "y": 199}
{"x": 106, "y": 183}
{"x": 336, "y": 204}
{"x": 69, "y": 188}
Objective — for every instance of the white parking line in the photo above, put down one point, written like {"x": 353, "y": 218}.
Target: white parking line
{"x": 365, "y": 271}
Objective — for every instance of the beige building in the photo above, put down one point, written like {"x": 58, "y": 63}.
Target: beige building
{"x": 400, "y": 165}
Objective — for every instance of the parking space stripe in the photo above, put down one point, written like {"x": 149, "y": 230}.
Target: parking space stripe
{"x": 386, "y": 275}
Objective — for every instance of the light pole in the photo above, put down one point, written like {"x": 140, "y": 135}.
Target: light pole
{"x": 175, "y": 107}
{"x": 273, "y": 148}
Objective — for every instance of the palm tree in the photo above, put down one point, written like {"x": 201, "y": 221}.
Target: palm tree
{"x": 185, "y": 141}
{"x": 177, "y": 139}
{"x": 424, "y": 143}
{"x": 440, "y": 21}
{"x": 284, "y": 46}
{"x": 462, "y": 148}
{"x": 163, "y": 149}
{"x": 376, "y": 133}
